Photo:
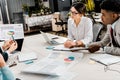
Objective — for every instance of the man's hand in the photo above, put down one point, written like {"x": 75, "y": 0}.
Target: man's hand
{"x": 2, "y": 62}
{"x": 13, "y": 47}
{"x": 7, "y": 44}
{"x": 69, "y": 44}
{"x": 94, "y": 48}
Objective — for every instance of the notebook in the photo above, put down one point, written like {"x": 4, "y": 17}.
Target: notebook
{"x": 52, "y": 40}
{"x": 106, "y": 59}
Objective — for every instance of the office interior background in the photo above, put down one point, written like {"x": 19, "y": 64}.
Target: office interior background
{"x": 43, "y": 15}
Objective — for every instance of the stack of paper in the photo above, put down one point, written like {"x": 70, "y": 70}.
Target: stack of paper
{"x": 62, "y": 48}
{"x": 106, "y": 59}
{"x": 27, "y": 56}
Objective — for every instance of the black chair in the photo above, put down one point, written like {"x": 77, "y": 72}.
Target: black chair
{"x": 18, "y": 17}
{"x": 62, "y": 21}
{"x": 97, "y": 27}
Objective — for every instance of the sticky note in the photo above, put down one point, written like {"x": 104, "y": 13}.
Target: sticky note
{"x": 50, "y": 47}
{"x": 71, "y": 58}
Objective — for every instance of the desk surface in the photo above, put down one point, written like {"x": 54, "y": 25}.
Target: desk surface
{"x": 85, "y": 69}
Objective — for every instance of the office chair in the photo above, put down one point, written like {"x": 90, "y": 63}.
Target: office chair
{"x": 62, "y": 21}
{"x": 97, "y": 27}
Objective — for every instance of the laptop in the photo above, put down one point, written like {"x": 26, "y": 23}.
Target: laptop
{"x": 54, "y": 40}
{"x": 20, "y": 43}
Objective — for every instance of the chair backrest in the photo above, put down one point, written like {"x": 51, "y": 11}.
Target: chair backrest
{"x": 64, "y": 15}
{"x": 97, "y": 27}
{"x": 56, "y": 15}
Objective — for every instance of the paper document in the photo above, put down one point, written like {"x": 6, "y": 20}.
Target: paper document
{"x": 62, "y": 48}
{"x": 8, "y": 31}
{"x": 64, "y": 76}
{"x": 106, "y": 59}
{"x": 54, "y": 64}
{"x": 60, "y": 40}
{"x": 26, "y": 56}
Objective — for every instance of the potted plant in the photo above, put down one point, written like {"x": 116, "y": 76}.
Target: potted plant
{"x": 25, "y": 8}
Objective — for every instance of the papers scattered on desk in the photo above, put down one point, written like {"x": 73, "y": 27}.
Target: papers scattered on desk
{"x": 106, "y": 59}
{"x": 54, "y": 65}
{"x": 64, "y": 76}
{"x": 62, "y": 48}
{"x": 27, "y": 56}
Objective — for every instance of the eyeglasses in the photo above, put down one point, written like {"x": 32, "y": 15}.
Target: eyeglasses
{"x": 74, "y": 13}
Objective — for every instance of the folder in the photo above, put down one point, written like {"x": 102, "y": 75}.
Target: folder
{"x": 27, "y": 56}
{"x": 106, "y": 59}
{"x": 62, "y": 48}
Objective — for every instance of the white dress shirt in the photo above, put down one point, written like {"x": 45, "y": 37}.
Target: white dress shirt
{"x": 82, "y": 32}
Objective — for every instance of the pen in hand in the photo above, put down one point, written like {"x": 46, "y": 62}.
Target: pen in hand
{"x": 14, "y": 64}
{"x": 13, "y": 38}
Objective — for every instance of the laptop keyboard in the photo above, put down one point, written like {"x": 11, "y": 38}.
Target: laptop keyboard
{"x": 54, "y": 42}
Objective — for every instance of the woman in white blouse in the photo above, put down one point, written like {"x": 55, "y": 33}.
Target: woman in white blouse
{"x": 79, "y": 27}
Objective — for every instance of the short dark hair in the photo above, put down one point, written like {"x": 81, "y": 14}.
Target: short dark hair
{"x": 111, "y": 5}
{"x": 80, "y": 7}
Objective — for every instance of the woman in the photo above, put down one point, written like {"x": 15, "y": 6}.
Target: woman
{"x": 7, "y": 48}
{"x": 79, "y": 27}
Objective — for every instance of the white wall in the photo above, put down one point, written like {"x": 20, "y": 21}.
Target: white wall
{"x": 0, "y": 17}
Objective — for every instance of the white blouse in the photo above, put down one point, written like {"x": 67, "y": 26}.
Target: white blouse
{"x": 82, "y": 32}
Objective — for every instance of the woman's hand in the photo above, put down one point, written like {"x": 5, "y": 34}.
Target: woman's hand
{"x": 79, "y": 44}
{"x": 13, "y": 46}
{"x": 7, "y": 44}
{"x": 69, "y": 44}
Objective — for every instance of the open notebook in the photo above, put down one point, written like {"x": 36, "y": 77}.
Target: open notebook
{"x": 106, "y": 59}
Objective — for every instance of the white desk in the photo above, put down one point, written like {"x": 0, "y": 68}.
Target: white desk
{"x": 85, "y": 69}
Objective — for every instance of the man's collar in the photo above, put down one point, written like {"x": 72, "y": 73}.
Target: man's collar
{"x": 113, "y": 25}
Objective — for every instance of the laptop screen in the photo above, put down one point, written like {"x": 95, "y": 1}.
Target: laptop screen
{"x": 20, "y": 43}
{"x": 45, "y": 37}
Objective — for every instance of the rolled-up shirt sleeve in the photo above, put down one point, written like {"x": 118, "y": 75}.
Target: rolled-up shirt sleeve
{"x": 6, "y": 74}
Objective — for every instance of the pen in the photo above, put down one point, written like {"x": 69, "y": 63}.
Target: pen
{"x": 14, "y": 64}
{"x": 13, "y": 38}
